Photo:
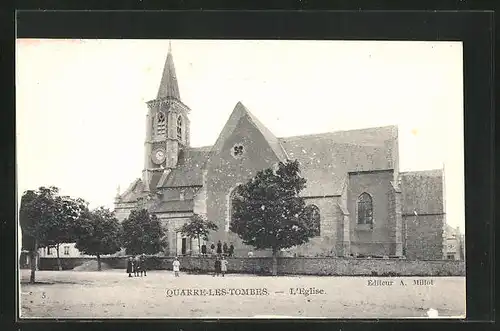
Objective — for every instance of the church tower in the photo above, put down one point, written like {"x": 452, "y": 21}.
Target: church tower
{"x": 167, "y": 127}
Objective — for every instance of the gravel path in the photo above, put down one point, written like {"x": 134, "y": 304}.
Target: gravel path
{"x": 110, "y": 293}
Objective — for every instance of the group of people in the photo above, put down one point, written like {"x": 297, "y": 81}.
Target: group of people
{"x": 137, "y": 265}
{"x": 220, "y": 267}
{"x": 218, "y": 249}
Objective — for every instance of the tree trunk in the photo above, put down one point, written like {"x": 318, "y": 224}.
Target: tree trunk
{"x": 199, "y": 246}
{"x": 275, "y": 261}
{"x": 98, "y": 262}
{"x": 59, "y": 267}
{"x": 33, "y": 262}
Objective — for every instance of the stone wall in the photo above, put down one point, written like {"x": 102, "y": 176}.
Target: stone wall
{"x": 424, "y": 236}
{"x": 301, "y": 266}
{"x": 326, "y": 243}
{"x": 378, "y": 239}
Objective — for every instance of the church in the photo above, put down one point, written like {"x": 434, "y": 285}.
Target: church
{"x": 364, "y": 204}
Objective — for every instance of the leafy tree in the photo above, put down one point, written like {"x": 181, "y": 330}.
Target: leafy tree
{"x": 46, "y": 220}
{"x": 98, "y": 232}
{"x": 267, "y": 211}
{"x": 142, "y": 233}
{"x": 32, "y": 210}
{"x": 198, "y": 227}
{"x": 60, "y": 229}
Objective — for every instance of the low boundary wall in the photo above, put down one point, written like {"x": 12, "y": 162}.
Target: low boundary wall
{"x": 286, "y": 265}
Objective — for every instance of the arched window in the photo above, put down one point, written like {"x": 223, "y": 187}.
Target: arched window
{"x": 161, "y": 124}
{"x": 365, "y": 209}
{"x": 179, "y": 127}
{"x": 312, "y": 211}
{"x": 230, "y": 206}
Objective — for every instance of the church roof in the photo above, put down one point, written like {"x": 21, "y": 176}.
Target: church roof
{"x": 238, "y": 113}
{"x": 169, "y": 87}
{"x": 134, "y": 191}
{"x": 268, "y": 135}
{"x": 326, "y": 159}
{"x": 422, "y": 191}
{"x": 189, "y": 171}
{"x": 173, "y": 206}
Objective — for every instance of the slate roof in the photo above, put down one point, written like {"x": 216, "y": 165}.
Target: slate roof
{"x": 134, "y": 191}
{"x": 326, "y": 159}
{"x": 422, "y": 191}
{"x": 169, "y": 86}
{"x": 173, "y": 206}
{"x": 189, "y": 171}
{"x": 268, "y": 135}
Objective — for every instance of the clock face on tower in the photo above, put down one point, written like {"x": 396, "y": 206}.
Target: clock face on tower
{"x": 158, "y": 156}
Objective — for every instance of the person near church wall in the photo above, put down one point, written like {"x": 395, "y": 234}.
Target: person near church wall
{"x": 231, "y": 250}
{"x": 143, "y": 268}
{"x": 203, "y": 249}
{"x": 219, "y": 248}
{"x": 212, "y": 249}
{"x": 137, "y": 265}
{"x": 217, "y": 266}
{"x": 225, "y": 249}
{"x": 130, "y": 266}
{"x": 223, "y": 264}
{"x": 176, "y": 266}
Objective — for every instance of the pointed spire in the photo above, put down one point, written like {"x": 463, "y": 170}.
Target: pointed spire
{"x": 168, "y": 85}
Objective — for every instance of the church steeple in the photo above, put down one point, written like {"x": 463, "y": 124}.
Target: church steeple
{"x": 167, "y": 128}
{"x": 168, "y": 85}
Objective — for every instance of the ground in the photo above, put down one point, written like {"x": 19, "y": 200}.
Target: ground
{"x": 110, "y": 293}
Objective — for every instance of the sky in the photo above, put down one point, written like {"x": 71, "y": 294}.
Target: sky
{"x": 81, "y": 103}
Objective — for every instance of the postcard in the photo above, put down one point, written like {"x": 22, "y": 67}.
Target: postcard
{"x": 240, "y": 179}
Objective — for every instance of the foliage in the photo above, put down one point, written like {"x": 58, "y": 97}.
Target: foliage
{"x": 142, "y": 233}
{"x": 198, "y": 227}
{"x": 267, "y": 211}
{"x": 47, "y": 217}
{"x": 98, "y": 232}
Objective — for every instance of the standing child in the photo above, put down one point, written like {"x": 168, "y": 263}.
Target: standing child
{"x": 177, "y": 266}
{"x": 219, "y": 248}
{"x": 217, "y": 267}
{"x": 130, "y": 266}
{"x": 137, "y": 266}
{"x": 223, "y": 264}
{"x": 143, "y": 264}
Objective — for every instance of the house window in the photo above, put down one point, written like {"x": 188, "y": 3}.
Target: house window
{"x": 66, "y": 250}
{"x": 161, "y": 124}
{"x": 451, "y": 257}
{"x": 181, "y": 195}
{"x": 312, "y": 212}
{"x": 49, "y": 252}
{"x": 179, "y": 127}
{"x": 365, "y": 209}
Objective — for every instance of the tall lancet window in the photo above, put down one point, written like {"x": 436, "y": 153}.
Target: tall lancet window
{"x": 232, "y": 200}
{"x": 365, "y": 209}
{"x": 161, "y": 124}
{"x": 179, "y": 127}
{"x": 312, "y": 211}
